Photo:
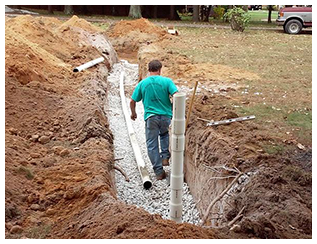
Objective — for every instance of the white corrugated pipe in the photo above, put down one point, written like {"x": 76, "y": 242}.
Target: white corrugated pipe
{"x": 177, "y": 146}
{"x": 89, "y": 64}
{"x": 147, "y": 183}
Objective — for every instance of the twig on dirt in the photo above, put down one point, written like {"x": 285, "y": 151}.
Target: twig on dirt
{"x": 122, "y": 172}
{"x": 222, "y": 178}
{"x": 219, "y": 197}
{"x": 117, "y": 159}
{"x": 235, "y": 219}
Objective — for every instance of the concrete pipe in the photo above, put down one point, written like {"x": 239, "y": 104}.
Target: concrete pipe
{"x": 147, "y": 183}
{"x": 177, "y": 149}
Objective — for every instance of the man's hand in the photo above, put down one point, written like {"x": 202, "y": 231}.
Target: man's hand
{"x": 133, "y": 116}
{"x": 132, "y": 107}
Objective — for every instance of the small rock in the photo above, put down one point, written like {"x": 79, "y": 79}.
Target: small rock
{"x": 8, "y": 226}
{"x": 13, "y": 131}
{"x": 49, "y": 161}
{"x": 16, "y": 229}
{"x": 58, "y": 149}
{"x": 44, "y": 139}
{"x": 35, "y": 155}
{"x": 34, "y": 138}
{"x": 35, "y": 207}
{"x": 50, "y": 211}
{"x": 64, "y": 152}
{"x": 300, "y": 146}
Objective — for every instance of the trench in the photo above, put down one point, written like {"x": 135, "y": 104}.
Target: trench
{"x": 156, "y": 199}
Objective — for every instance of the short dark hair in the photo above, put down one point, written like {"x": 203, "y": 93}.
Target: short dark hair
{"x": 155, "y": 65}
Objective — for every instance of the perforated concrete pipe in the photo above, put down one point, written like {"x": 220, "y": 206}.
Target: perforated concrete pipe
{"x": 147, "y": 183}
{"x": 89, "y": 64}
{"x": 177, "y": 146}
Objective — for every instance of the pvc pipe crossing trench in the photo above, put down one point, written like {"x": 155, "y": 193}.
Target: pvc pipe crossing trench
{"x": 178, "y": 147}
{"x": 89, "y": 64}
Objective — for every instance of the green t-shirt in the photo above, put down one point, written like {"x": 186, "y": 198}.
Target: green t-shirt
{"x": 154, "y": 92}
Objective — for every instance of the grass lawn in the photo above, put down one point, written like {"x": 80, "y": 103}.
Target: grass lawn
{"x": 282, "y": 98}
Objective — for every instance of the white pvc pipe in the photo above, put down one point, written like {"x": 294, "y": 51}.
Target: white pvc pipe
{"x": 178, "y": 147}
{"x": 89, "y": 64}
{"x": 147, "y": 183}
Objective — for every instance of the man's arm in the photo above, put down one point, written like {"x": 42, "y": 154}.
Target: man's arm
{"x": 132, "y": 107}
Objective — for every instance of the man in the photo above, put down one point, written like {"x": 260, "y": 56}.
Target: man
{"x": 155, "y": 92}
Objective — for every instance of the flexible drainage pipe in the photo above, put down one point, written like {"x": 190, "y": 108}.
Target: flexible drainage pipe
{"x": 177, "y": 146}
{"x": 147, "y": 183}
{"x": 89, "y": 64}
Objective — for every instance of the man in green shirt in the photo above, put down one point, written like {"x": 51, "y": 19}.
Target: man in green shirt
{"x": 155, "y": 92}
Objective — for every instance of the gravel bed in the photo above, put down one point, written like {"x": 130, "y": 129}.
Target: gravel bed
{"x": 156, "y": 199}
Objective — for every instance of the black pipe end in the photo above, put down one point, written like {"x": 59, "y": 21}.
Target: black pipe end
{"x": 147, "y": 184}
{"x": 75, "y": 70}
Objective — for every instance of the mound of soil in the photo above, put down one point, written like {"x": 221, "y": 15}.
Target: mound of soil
{"x": 124, "y": 27}
{"x": 79, "y": 23}
{"x": 48, "y": 55}
{"x": 128, "y": 36}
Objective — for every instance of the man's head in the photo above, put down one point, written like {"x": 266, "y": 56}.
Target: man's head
{"x": 155, "y": 66}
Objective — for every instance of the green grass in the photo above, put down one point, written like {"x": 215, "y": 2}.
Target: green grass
{"x": 260, "y": 15}
{"x": 301, "y": 120}
{"x": 274, "y": 149}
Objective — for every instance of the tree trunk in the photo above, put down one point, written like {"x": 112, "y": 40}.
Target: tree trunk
{"x": 50, "y": 9}
{"x": 269, "y": 19}
{"x": 196, "y": 13}
{"x": 172, "y": 12}
{"x": 202, "y": 12}
{"x": 135, "y": 11}
{"x": 154, "y": 12}
{"x": 68, "y": 9}
{"x": 207, "y": 13}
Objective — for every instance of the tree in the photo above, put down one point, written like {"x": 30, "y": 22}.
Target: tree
{"x": 269, "y": 18}
{"x": 68, "y": 9}
{"x": 154, "y": 11}
{"x": 50, "y": 9}
{"x": 196, "y": 13}
{"x": 135, "y": 11}
{"x": 207, "y": 13}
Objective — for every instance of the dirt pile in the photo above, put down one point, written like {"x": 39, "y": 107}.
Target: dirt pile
{"x": 58, "y": 144}
{"x": 124, "y": 27}
{"x": 50, "y": 51}
{"x": 128, "y": 36}
{"x": 76, "y": 22}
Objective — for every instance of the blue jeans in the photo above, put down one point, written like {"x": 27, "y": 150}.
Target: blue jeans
{"x": 157, "y": 126}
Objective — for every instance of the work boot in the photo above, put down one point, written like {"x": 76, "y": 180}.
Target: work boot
{"x": 165, "y": 162}
{"x": 161, "y": 176}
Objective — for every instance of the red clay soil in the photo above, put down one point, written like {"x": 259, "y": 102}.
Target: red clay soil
{"x": 59, "y": 180}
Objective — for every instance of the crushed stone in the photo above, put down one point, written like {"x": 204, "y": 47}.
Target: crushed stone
{"x": 156, "y": 199}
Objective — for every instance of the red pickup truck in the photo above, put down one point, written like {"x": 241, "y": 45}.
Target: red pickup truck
{"x": 295, "y": 19}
